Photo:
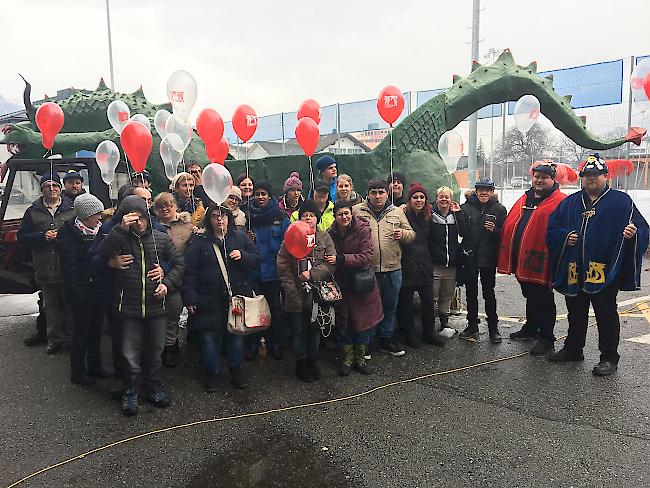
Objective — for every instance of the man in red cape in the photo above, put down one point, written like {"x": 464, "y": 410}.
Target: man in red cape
{"x": 523, "y": 251}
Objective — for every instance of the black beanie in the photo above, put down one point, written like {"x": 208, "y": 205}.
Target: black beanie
{"x": 310, "y": 206}
{"x": 263, "y": 185}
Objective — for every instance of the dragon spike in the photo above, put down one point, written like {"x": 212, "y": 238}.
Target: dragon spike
{"x": 549, "y": 77}
{"x": 532, "y": 67}
{"x": 138, "y": 91}
{"x": 475, "y": 65}
{"x": 583, "y": 118}
{"x": 102, "y": 84}
{"x": 456, "y": 78}
{"x": 568, "y": 98}
{"x": 505, "y": 58}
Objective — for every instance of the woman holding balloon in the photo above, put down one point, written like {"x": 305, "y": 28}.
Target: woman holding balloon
{"x": 297, "y": 271}
{"x": 182, "y": 186}
{"x": 267, "y": 224}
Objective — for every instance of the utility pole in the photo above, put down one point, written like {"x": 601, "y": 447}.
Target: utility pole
{"x": 473, "y": 119}
{"x": 110, "y": 45}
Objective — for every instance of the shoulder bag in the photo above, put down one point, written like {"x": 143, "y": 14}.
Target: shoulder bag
{"x": 246, "y": 315}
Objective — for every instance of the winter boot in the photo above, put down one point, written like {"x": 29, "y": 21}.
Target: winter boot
{"x": 495, "y": 335}
{"x": 237, "y": 378}
{"x": 346, "y": 360}
{"x": 313, "y": 368}
{"x": 210, "y": 383}
{"x": 359, "y": 360}
{"x": 470, "y": 332}
{"x": 303, "y": 372}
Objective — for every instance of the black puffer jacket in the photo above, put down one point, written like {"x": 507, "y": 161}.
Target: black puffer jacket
{"x": 417, "y": 268}
{"x": 443, "y": 242}
{"x": 481, "y": 243}
{"x": 133, "y": 292}
{"x": 74, "y": 253}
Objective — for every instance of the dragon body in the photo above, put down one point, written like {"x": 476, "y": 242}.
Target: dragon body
{"x": 414, "y": 140}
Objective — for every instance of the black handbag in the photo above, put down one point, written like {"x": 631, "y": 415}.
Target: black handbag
{"x": 361, "y": 280}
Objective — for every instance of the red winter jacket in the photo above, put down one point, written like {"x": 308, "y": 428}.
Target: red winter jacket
{"x": 533, "y": 263}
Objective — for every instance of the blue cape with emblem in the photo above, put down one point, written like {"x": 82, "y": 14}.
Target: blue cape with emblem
{"x": 606, "y": 254}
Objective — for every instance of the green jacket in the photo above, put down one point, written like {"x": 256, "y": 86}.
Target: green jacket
{"x": 326, "y": 220}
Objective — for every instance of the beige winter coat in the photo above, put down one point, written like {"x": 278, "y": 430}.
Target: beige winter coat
{"x": 180, "y": 230}
{"x": 387, "y": 255}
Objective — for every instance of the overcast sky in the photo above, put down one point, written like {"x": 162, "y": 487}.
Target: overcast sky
{"x": 274, "y": 54}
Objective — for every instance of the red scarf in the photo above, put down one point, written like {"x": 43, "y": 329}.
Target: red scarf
{"x": 533, "y": 263}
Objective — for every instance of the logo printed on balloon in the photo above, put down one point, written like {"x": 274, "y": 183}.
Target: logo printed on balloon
{"x": 251, "y": 120}
{"x": 311, "y": 240}
{"x": 534, "y": 114}
{"x": 122, "y": 116}
{"x": 177, "y": 96}
{"x": 391, "y": 101}
{"x": 636, "y": 83}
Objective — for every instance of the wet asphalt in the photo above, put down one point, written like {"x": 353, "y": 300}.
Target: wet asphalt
{"x": 520, "y": 422}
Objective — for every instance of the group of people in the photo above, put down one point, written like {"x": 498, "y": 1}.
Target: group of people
{"x": 138, "y": 265}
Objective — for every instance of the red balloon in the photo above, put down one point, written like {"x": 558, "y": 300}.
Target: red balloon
{"x": 244, "y": 121}
{"x": 309, "y": 108}
{"x": 646, "y": 85}
{"x": 49, "y": 119}
{"x": 307, "y": 135}
{"x": 390, "y": 104}
{"x": 219, "y": 152}
{"x": 137, "y": 142}
{"x": 209, "y": 125}
{"x": 299, "y": 239}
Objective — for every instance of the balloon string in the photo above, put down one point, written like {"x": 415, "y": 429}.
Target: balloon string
{"x": 392, "y": 195}
{"x": 311, "y": 176}
{"x": 246, "y": 160}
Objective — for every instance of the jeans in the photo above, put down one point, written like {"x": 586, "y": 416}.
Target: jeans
{"x": 86, "y": 338}
{"x": 306, "y": 336}
{"x": 211, "y": 347}
{"x": 609, "y": 326}
{"x": 540, "y": 309}
{"x": 350, "y": 337}
{"x": 389, "y": 283}
{"x": 143, "y": 341}
{"x": 488, "y": 282}
{"x": 405, "y": 310}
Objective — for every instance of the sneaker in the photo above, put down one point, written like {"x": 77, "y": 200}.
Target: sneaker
{"x": 53, "y": 348}
{"x": 523, "y": 335}
{"x": 210, "y": 383}
{"x": 495, "y": 336}
{"x": 604, "y": 368}
{"x": 159, "y": 399}
{"x": 541, "y": 347}
{"x": 130, "y": 402}
{"x": 388, "y": 345}
{"x": 237, "y": 378}
{"x": 566, "y": 355}
{"x": 470, "y": 332}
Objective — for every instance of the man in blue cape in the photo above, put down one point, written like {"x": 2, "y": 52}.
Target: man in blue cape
{"x": 596, "y": 239}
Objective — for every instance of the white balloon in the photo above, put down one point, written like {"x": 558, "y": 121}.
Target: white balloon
{"x": 450, "y": 147}
{"x": 170, "y": 156}
{"x": 118, "y": 114}
{"x": 143, "y": 119}
{"x": 159, "y": 121}
{"x": 526, "y": 112}
{"x": 217, "y": 182}
{"x": 182, "y": 130}
{"x": 639, "y": 76}
{"x": 107, "y": 156}
{"x": 181, "y": 92}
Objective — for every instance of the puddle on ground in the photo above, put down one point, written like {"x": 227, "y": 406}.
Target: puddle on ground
{"x": 273, "y": 460}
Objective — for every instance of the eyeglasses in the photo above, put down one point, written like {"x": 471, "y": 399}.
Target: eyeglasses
{"x": 195, "y": 172}
{"x": 164, "y": 206}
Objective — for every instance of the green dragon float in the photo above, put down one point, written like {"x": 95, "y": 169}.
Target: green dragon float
{"x": 415, "y": 139}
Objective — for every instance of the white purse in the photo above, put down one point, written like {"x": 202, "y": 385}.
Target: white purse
{"x": 246, "y": 315}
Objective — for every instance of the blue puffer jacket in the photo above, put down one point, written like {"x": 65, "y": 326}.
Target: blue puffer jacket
{"x": 269, "y": 225}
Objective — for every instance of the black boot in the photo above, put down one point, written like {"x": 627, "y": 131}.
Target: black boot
{"x": 40, "y": 336}
{"x": 470, "y": 332}
{"x": 303, "y": 372}
{"x": 313, "y": 368}
{"x": 169, "y": 357}
{"x": 495, "y": 335}
{"x": 237, "y": 378}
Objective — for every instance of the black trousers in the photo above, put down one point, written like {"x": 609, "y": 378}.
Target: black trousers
{"x": 540, "y": 309}
{"x": 609, "y": 326}
{"x": 488, "y": 282}
{"x": 405, "y": 310}
{"x": 86, "y": 338}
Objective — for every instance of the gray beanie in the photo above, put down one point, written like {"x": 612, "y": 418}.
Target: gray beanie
{"x": 87, "y": 205}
